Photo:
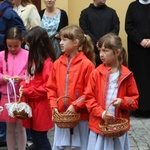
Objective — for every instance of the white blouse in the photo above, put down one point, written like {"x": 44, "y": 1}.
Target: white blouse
{"x": 29, "y": 15}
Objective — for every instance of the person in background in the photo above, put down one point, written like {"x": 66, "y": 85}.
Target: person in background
{"x": 8, "y": 18}
{"x": 13, "y": 64}
{"x": 110, "y": 82}
{"x": 97, "y": 20}
{"x": 53, "y": 19}
{"x": 40, "y": 62}
{"x": 69, "y": 77}
{"x": 27, "y": 12}
{"x": 137, "y": 27}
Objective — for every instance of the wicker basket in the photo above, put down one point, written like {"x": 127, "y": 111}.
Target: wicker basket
{"x": 115, "y": 129}
{"x": 20, "y": 115}
{"x": 17, "y": 109}
{"x": 22, "y": 109}
{"x": 64, "y": 120}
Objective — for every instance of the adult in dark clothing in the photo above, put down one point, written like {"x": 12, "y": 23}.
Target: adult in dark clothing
{"x": 97, "y": 20}
{"x": 137, "y": 26}
{"x": 8, "y": 18}
{"x": 53, "y": 19}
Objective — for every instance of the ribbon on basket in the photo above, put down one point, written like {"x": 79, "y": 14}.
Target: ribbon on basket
{"x": 16, "y": 109}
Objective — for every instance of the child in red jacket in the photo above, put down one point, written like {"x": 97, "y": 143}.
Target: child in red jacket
{"x": 110, "y": 82}
{"x": 69, "y": 77}
{"x": 40, "y": 61}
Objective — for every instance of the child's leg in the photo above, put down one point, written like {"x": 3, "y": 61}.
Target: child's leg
{"x": 11, "y": 135}
{"x": 40, "y": 140}
{"x": 22, "y": 139}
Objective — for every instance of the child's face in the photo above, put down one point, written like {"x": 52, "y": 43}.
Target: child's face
{"x": 13, "y": 45}
{"x": 67, "y": 45}
{"x": 108, "y": 57}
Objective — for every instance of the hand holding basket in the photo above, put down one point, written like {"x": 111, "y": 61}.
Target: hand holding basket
{"x": 64, "y": 120}
{"x": 114, "y": 129}
{"x": 20, "y": 110}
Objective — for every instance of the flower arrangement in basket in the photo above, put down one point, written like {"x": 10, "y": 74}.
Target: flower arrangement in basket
{"x": 20, "y": 110}
{"x": 115, "y": 129}
{"x": 64, "y": 120}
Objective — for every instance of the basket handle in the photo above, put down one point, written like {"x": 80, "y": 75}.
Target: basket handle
{"x": 11, "y": 81}
{"x": 59, "y": 99}
{"x": 106, "y": 122}
{"x": 20, "y": 95}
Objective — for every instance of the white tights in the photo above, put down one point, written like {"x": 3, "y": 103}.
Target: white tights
{"x": 12, "y": 129}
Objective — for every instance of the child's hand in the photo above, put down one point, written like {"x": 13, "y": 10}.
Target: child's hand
{"x": 117, "y": 102}
{"x": 109, "y": 117}
{"x": 70, "y": 110}
{"x": 55, "y": 111}
{"x": 17, "y": 79}
{"x": 21, "y": 90}
{"x": 6, "y": 78}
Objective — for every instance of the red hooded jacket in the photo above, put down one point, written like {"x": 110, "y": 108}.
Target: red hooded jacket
{"x": 96, "y": 93}
{"x": 70, "y": 79}
{"x": 36, "y": 96}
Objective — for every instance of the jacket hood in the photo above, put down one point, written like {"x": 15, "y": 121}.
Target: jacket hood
{"x": 4, "y": 6}
{"x": 103, "y": 70}
{"x": 78, "y": 57}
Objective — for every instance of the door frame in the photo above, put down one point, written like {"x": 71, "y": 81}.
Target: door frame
{"x": 37, "y": 3}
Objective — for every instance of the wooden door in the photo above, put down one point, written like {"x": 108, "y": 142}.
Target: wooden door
{"x": 37, "y": 3}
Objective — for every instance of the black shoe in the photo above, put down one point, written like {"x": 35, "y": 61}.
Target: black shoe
{"x": 3, "y": 144}
{"x": 31, "y": 147}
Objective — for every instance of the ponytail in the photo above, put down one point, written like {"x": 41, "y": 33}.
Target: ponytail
{"x": 123, "y": 57}
{"x": 88, "y": 48}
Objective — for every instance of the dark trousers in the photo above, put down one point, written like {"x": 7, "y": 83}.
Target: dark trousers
{"x": 29, "y": 136}
{"x": 2, "y": 131}
{"x": 40, "y": 140}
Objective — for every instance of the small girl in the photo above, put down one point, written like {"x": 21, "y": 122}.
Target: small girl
{"x": 69, "y": 77}
{"x": 110, "y": 82}
{"x": 13, "y": 63}
{"x": 40, "y": 61}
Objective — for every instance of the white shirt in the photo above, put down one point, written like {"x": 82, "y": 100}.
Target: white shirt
{"x": 144, "y": 2}
{"x": 29, "y": 15}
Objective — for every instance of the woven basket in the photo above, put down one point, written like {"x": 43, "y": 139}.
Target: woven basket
{"x": 20, "y": 115}
{"x": 23, "y": 113}
{"x": 64, "y": 120}
{"x": 17, "y": 109}
{"x": 115, "y": 129}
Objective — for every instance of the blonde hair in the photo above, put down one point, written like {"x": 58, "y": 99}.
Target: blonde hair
{"x": 114, "y": 42}
{"x": 73, "y": 32}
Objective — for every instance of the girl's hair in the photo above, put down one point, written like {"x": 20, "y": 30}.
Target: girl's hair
{"x": 73, "y": 32}
{"x": 26, "y": 2}
{"x": 12, "y": 33}
{"x": 114, "y": 42}
{"x": 40, "y": 48}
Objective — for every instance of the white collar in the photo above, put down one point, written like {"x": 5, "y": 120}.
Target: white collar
{"x": 143, "y": 2}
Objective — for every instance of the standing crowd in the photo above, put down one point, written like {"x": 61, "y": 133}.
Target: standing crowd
{"x": 58, "y": 68}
